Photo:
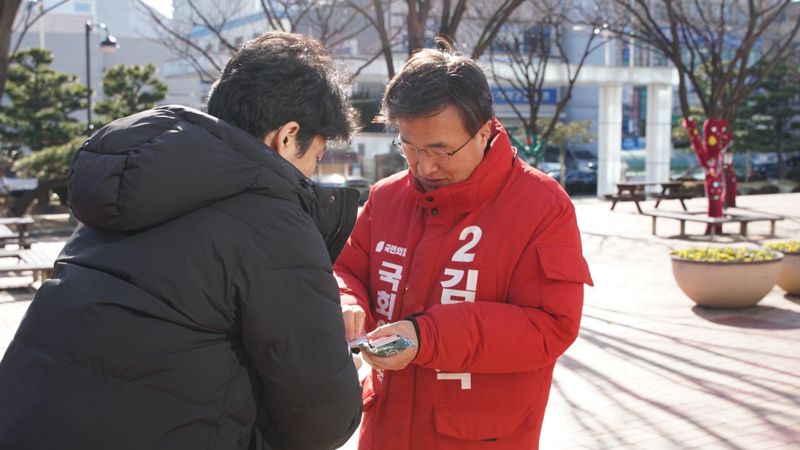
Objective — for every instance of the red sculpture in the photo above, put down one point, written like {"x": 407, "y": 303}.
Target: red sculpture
{"x": 709, "y": 149}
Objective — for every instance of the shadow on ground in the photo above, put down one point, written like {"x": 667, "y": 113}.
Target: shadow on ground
{"x": 756, "y": 317}
{"x": 17, "y": 294}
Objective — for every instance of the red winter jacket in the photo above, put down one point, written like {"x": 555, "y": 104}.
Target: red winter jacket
{"x": 493, "y": 266}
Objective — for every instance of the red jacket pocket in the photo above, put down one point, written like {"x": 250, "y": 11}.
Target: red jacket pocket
{"x": 564, "y": 263}
{"x": 482, "y": 422}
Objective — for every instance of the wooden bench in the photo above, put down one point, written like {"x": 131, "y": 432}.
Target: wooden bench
{"x": 19, "y": 235}
{"x": 626, "y": 197}
{"x": 39, "y": 263}
{"x": 741, "y": 219}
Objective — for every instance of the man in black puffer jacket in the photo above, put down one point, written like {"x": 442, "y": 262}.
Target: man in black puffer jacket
{"x": 194, "y": 307}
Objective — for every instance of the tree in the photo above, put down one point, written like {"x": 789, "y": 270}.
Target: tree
{"x": 42, "y": 102}
{"x": 425, "y": 19}
{"x": 375, "y": 13}
{"x": 722, "y": 50}
{"x": 565, "y": 134}
{"x": 519, "y": 60}
{"x": 8, "y": 15}
{"x": 50, "y": 166}
{"x": 8, "y": 12}
{"x": 129, "y": 89}
{"x": 39, "y": 116}
{"x": 332, "y": 22}
{"x": 767, "y": 114}
{"x": 28, "y": 19}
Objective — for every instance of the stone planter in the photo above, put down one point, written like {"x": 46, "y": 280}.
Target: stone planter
{"x": 789, "y": 279}
{"x": 734, "y": 284}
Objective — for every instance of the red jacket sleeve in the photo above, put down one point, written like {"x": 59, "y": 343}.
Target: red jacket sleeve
{"x": 351, "y": 268}
{"x": 530, "y": 329}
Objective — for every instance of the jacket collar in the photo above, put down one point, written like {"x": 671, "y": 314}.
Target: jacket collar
{"x": 465, "y": 196}
{"x": 334, "y": 211}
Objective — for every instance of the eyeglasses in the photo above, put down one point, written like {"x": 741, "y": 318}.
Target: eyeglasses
{"x": 438, "y": 156}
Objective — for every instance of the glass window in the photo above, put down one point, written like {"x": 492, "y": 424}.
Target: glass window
{"x": 83, "y": 7}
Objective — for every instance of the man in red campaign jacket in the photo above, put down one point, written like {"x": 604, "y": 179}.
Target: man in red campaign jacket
{"x": 471, "y": 254}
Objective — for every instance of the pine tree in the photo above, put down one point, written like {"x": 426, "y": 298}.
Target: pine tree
{"x": 42, "y": 101}
{"x": 130, "y": 89}
{"x": 769, "y": 112}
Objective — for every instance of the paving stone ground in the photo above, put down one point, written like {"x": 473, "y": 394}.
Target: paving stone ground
{"x": 650, "y": 370}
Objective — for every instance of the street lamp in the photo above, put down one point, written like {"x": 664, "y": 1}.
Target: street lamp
{"x": 108, "y": 46}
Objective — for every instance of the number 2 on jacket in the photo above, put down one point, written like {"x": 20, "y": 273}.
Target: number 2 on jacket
{"x": 452, "y": 293}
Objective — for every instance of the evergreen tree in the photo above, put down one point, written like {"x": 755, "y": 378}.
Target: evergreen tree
{"x": 769, "y": 111}
{"x": 564, "y": 134}
{"x": 41, "y": 103}
{"x": 130, "y": 89}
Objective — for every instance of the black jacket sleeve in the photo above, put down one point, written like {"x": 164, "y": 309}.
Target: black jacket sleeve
{"x": 293, "y": 334}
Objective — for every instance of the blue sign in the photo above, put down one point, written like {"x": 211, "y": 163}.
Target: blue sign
{"x": 633, "y": 143}
{"x": 549, "y": 96}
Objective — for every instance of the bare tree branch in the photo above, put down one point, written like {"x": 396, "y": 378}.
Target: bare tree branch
{"x": 712, "y": 44}
{"x": 205, "y": 39}
{"x": 184, "y": 46}
{"x": 529, "y": 45}
{"x": 216, "y": 29}
{"x": 376, "y": 17}
{"x": 492, "y": 26}
{"x": 28, "y": 20}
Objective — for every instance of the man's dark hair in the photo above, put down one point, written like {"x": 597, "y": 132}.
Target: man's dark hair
{"x": 431, "y": 80}
{"x": 279, "y": 77}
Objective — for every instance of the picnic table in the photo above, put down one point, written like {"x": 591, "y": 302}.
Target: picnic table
{"x": 634, "y": 191}
{"x": 19, "y": 235}
{"x": 38, "y": 263}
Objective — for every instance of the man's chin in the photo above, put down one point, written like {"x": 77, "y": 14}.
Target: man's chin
{"x": 430, "y": 186}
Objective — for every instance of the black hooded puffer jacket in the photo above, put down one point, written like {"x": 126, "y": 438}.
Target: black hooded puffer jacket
{"x": 193, "y": 308}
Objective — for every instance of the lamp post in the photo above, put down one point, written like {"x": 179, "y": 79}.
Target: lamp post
{"x": 108, "y": 46}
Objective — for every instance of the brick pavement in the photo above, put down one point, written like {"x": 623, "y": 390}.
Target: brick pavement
{"x": 650, "y": 370}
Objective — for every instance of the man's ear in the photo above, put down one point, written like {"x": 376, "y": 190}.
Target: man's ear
{"x": 284, "y": 139}
{"x": 485, "y": 133}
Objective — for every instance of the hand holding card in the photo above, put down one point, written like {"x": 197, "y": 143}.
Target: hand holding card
{"x": 384, "y": 347}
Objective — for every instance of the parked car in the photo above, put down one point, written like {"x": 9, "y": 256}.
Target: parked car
{"x": 338, "y": 180}
{"x": 764, "y": 171}
{"x": 578, "y": 181}
{"x": 575, "y": 158}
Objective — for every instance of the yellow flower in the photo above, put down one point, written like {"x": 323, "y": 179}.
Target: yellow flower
{"x": 784, "y": 246}
{"x": 724, "y": 254}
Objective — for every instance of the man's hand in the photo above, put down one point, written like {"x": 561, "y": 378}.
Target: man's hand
{"x": 402, "y": 359}
{"x": 353, "y": 316}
